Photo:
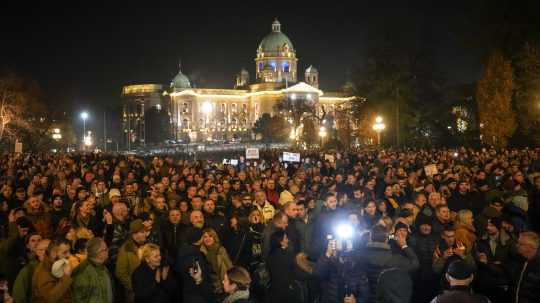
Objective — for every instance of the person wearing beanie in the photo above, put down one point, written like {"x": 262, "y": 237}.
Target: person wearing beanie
{"x": 129, "y": 257}
{"x": 459, "y": 275}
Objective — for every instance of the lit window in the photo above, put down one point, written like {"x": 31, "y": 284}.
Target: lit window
{"x": 233, "y": 107}
{"x": 244, "y": 108}
{"x": 286, "y": 66}
{"x": 261, "y": 66}
{"x": 273, "y": 65}
{"x": 223, "y": 106}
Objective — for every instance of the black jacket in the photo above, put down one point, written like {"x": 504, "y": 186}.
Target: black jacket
{"x": 281, "y": 267}
{"x": 173, "y": 237}
{"x": 529, "y": 288}
{"x": 424, "y": 246}
{"x": 146, "y": 288}
{"x": 191, "y": 292}
{"x": 459, "y": 294}
{"x": 378, "y": 257}
{"x": 338, "y": 278}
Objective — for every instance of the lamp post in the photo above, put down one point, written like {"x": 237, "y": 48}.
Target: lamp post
{"x": 378, "y": 127}
{"x": 322, "y": 134}
{"x": 84, "y": 116}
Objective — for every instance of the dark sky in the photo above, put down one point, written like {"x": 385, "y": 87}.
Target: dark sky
{"x": 83, "y": 56}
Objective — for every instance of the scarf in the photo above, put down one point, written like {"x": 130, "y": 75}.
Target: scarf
{"x": 237, "y": 295}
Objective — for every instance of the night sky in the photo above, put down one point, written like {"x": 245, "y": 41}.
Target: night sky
{"x": 83, "y": 56}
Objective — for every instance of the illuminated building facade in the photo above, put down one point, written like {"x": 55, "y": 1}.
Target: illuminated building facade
{"x": 138, "y": 101}
{"x": 218, "y": 114}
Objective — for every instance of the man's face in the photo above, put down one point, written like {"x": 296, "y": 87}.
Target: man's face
{"x": 246, "y": 201}
{"x": 492, "y": 229}
{"x": 449, "y": 237}
{"x": 434, "y": 199}
{"x": 443, "y": 214}
{"x": 175, "y": 216}
{"x": 260, "y": 197}
{"x": 301, "y": 210}
{"x": 425, "y": 229}
{"x": 197, "y": 203}
{"x": 129, "y": 189}
{"x": 192, "y": 191}
{"x": 139, "y": 237}
{"x": 290, "y": 211}
{"x": 197, "y": 219}
{"x": 271, "y": 184}
{"x": 209, "y": 206}
{"x": 525, "y": 248}
{"x": 331, "y": 202}
{"x": 463, "y": 187}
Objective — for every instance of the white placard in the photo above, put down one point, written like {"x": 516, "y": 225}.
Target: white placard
{"x": 252, "y": 153}
{"x": 291, "y": 157}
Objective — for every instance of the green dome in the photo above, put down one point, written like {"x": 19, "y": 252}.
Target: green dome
{"x": 274, "y": 41}
{"x": 180, "y": 81}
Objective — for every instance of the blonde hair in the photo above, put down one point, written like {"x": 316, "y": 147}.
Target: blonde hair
{"x": 255, "y": 212}
{"x": 463, "y": 214}
{"x": 239, "y": 276}
{"x": 148, "y": 249}
{"x": 212, "y": 233}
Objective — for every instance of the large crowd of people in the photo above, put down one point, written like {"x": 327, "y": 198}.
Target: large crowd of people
{"x": 409, "y": 225}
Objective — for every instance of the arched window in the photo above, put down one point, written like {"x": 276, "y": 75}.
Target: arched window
{"x": 244, "y": 108}
{"x": 233, "y": 107}
{"x": 185, "y": 108}
{"x": 223, "y": 107}
{"x": 286, "y": 66}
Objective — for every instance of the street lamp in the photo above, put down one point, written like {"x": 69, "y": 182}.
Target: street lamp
{"x": 378, "y": 127}
{"x": 322, "y": 134}
{"x": 84, "y": 116}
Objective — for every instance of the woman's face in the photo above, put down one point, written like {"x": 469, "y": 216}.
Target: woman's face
{"x": 154, "y": 260}
{"x": 255, "y": 219}
{"x": 388, "y": 191}
{"x": 208, "y": 240}
{"x": 227, "y": 285}
{"x": 382, "y": 207}
{"x": 371, "y": 208}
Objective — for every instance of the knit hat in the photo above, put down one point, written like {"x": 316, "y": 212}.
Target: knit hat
{"x": 23, "y": 222}
{"x": 460, "y": 270}
{"x": 423, "y": 219}
{"x": 114, "y": 192}
{"x": 136, "y": 226}
{"x": 401, "y": 225}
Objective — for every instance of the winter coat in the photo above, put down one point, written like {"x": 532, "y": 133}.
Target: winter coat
{"x": 173, "y": 237}
{"x": 280, "y": 264}
{"x": 378, "y": 257}
{"x": 459, "y": 294}
{"x": 528, "y": 287}
{"x": 191, "y": 292}
{"x": 115, "y": 235}
{"x": 147, "y": 289}
{"x": 128, "y": 260}
{"x": 48, "y": 289}
{"x": 13, "y": 255}
{"x": 394, "y": 286}
{"x": 267, "y": 210}
{"x": 92, "y": 283}
{"x": 22, "y": 289}
{"x": 42, "y": 222}
{"x": 219, "y": 269}
{"x": 337, "y": 278}
{"x": 424, "y": 246}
